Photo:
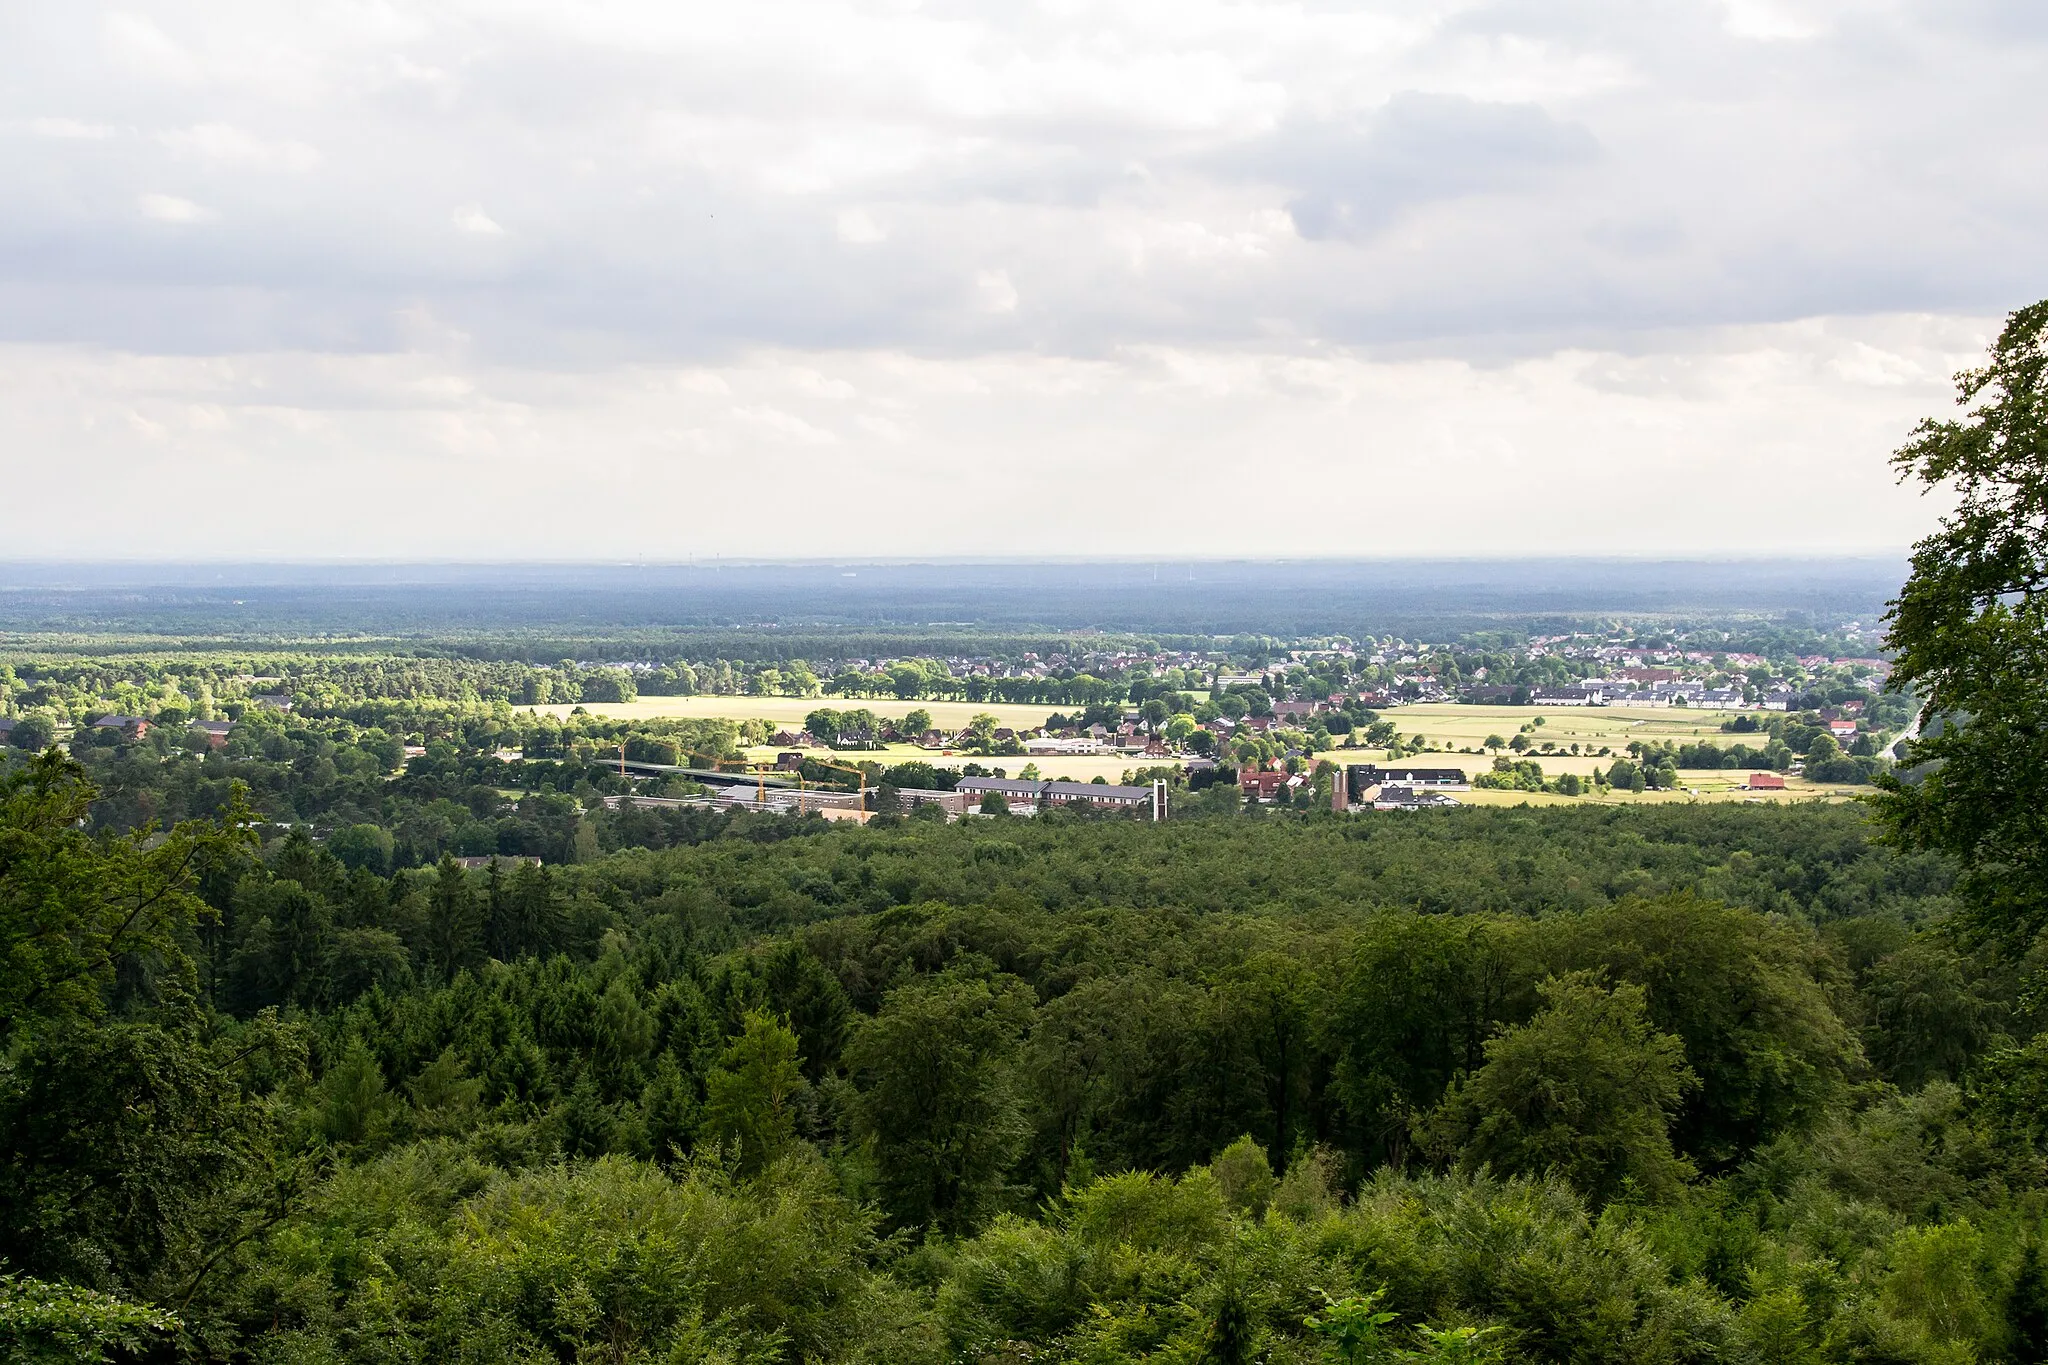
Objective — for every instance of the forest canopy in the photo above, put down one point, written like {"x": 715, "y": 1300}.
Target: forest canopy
{"x": 1105, "y": 1089}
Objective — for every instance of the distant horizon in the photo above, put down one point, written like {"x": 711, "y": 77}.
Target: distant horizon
{"x": 1298, "y": 596}
{"x": 1886, "y": 553}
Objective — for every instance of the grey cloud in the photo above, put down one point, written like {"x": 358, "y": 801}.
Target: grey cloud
{"x": 682, "y": 200}
{"x": 1351, "y": 178}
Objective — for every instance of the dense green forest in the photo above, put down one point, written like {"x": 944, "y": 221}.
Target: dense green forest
{"x": 1678, "y": 1083}
{"x": 1088, "y": 1088}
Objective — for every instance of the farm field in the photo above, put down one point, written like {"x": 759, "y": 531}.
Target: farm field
{"x": 1444, "y": 724}
{"x": 1070, "y": 767}
{"x": 1699, "y": 787}
{"x": 1612, "y": 726}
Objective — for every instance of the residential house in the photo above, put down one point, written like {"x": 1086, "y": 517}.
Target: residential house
{"x": 1585, "y": 694}
{"x": 1720, "y": 699}
{"x": 273, "y": 701}
{"x": 1766, "y": 782}
{"x": 1260, "y": 784}
{"x": 789, "y": 761}
{"x": 215, "y": 731}
{"x": 131, "y": 727}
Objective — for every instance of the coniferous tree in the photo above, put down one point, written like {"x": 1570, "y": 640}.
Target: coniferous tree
{"x": 454, "y": 920}
{"x": 671, "y": 1110}
{"x": 2026, "y": 1306}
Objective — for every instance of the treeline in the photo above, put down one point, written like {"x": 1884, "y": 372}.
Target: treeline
{"x": 744, "y": 877}
{"x": 172, "y": 690}
{"x": 356, "y": 787}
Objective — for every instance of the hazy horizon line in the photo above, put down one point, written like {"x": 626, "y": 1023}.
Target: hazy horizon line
{"x": 877, "y": 561}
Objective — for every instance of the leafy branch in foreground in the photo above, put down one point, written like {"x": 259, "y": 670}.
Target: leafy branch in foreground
{"x": 56, "y": 1323}
{"x": 72, "y": 906}
{"x": 1971, "y": 628}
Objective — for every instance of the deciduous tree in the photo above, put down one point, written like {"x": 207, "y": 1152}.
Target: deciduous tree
{"x": 1971, "y": 630}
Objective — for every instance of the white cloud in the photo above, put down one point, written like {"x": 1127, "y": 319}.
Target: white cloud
{"x": 136, "y": 43}
{"x": 69, "y": 128}
{"x": 1759, "y": 439}
{"x": 171, "y": 208}
{"x": 225, "y": 143}
{"x": 858, "y": 226}
{"x": 477, "y": 221}
{"x": 1771, "y": 20}
{"x": 994, "y": 292}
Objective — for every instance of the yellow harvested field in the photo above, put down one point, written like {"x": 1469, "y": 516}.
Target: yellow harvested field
{"x": 1612, "y": 726}
{"x": 1699, "y": 787}
{"x": 1447, "y": 725}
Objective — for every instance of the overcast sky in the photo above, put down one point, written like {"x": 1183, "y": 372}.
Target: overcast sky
{"x": 573, "y": 279}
